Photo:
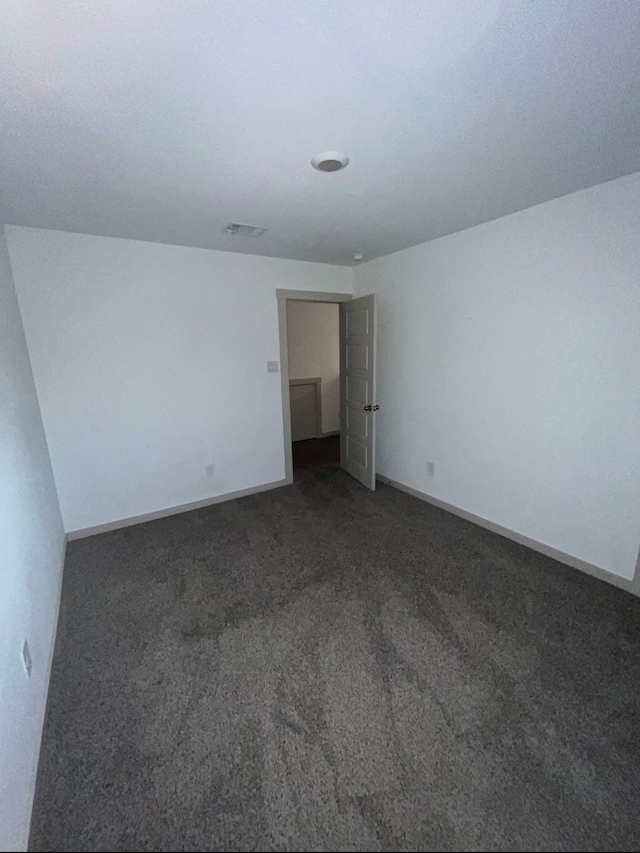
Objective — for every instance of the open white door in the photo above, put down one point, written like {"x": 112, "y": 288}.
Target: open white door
{"x": 358, "y": 389}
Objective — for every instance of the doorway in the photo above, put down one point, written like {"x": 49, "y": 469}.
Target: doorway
{"x": 310, "y": 377}
{"x": 313, "y": 341}
{"x": 328, "y": 371}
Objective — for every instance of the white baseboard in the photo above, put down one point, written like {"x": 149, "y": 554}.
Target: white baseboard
{"x": 331, "y": 432}
{"x": 632, "y": 586}
{"x": 173, "y": 510}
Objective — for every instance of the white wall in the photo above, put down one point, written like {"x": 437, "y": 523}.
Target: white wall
{"x": 509, "y": 355}
{"x": 150, "y": 363}
{"x": 313, "y": 339}
{"x": 31, "y": 555}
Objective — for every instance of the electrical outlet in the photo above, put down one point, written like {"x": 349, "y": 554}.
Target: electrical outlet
{"x": 272, "y": 367}
{"x": 431, "y": 469}
{"x": 209, "y": 471}
{"x": 26, "y": 659}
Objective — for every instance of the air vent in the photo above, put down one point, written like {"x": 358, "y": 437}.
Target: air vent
{"x": 238, "y": 230}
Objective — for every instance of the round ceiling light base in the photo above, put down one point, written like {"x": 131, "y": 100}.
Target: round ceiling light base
{"x": 330, "y": 161}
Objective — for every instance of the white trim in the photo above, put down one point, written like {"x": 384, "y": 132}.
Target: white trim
{"x": 285, "y": 296}
{"x": 312, "y": 295}
{"x": 172, "y": 510}
{"x": 632, "y": 586}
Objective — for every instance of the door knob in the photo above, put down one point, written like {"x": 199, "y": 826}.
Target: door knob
{"x": 375, "y": 408}
{"x": 367, "y": 408}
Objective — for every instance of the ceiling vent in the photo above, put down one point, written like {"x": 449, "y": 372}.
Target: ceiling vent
{"x": 238, "y": 230}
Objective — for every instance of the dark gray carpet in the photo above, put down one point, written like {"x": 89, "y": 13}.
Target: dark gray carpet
{"x": 316, "y": 451}
{"x": 322, "y": 668}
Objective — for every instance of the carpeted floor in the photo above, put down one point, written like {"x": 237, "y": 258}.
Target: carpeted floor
{"x": 325, "y": 668}
{"x": 316, "y": 451}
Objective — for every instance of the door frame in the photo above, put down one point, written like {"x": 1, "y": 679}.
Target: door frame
{"x": 285, "y": 296}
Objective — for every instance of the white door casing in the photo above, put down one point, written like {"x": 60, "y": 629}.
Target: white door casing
{"x": 285, "y": 296}
{"x": 358, "y": 389}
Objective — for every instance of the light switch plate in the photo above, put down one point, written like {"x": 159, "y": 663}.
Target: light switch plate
{"x": 272, "y": 367}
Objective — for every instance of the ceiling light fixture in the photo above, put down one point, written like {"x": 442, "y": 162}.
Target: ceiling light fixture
{"x": 357, "y": 256}
{"x": 329, "y": 161}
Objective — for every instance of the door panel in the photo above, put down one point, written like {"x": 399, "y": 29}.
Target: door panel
{"x": 357, "y": 356}
{"x": 357, "y": 423}
{"x": 357, "y": 388}
{"x": 357, "y": 452}
{"x": 358, "y": 321}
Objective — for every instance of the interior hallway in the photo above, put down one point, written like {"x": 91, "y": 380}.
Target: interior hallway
{"x": 325, "y": 668}
{"x": 316, "y": 451}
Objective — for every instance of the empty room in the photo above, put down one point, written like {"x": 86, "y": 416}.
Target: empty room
{"x": 320, "y": 425}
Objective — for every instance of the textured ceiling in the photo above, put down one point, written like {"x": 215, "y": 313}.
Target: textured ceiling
{"x": 164, "y": 121}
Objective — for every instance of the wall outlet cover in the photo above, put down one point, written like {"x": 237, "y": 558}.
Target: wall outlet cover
{"x": 272, "y": 367}
{"x": 431, "y": 469}
{"x": 209, "y": 470}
